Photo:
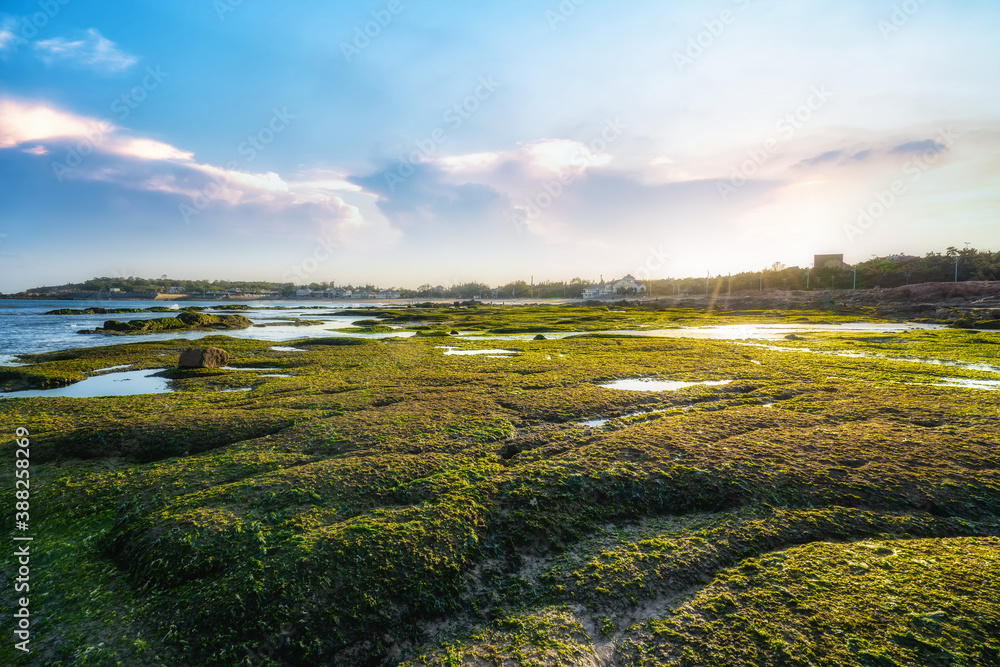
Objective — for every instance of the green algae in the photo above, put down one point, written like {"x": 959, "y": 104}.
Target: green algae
{"x": 186, "y": 321}
{"x": 884, "y": 602}
{"x": 392, "y": 503}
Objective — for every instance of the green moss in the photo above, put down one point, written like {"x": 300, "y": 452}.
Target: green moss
{"x": 391, "y": 500}
{"x": 890, "y": 602}
{"x": 186, "y": 321}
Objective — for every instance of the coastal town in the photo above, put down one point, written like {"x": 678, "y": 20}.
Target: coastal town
{"x": 825, "y": 272}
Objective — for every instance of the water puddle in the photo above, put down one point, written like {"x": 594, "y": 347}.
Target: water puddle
{"x": 598, "y": 423}
{"x": 454, "y": 351}
{"x": 860, "y": 355}
{"x": 279, "y": 348}
{"x": 964, "y": 383}
{"x": 123, "y": 383}
{"x": 129, "y": 383}
{"x": 647, "y": 384}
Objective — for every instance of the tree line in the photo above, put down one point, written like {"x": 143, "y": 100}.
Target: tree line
{"x": 890, "y": 271}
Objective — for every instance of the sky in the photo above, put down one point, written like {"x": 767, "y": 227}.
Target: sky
{"x": 399, "y": 143}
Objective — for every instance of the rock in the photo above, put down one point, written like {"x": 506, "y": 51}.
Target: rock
{"x": 116, "y": 325}
{"x": 793, "y": 337}
{"x": 197, "y": 319}
{"x": 540, "y": 337}
{"x": 203, "y": 357}
{"x": 204, "y": 321}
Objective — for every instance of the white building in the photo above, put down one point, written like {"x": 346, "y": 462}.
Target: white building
{"x": 627, "y": 286}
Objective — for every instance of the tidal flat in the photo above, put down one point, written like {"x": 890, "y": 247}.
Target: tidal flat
{"x": 366, "y": 499}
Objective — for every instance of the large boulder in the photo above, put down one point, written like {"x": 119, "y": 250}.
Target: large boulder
{"x": 203, "y": 357}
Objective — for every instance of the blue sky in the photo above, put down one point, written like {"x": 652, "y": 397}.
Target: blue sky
{"x": 490, "y": 141}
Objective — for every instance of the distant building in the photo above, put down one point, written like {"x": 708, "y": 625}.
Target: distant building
{"x": 596, "y": 291}
{"x": 627, "y": 286}
{"x": 388, "y": 294}
{"x": 303, "y": 291}
{"x": 828, "y": 262}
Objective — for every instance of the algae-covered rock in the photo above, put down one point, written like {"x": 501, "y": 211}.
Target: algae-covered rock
{"x": 115, "y": 325}
{"x": 201, "y": 320}
{"x": 203, "y": 357}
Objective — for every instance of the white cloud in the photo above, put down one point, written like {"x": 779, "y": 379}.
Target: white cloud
{"x": 107, "y": 153}
{"x": 7, "y": 36}
{"x": 22, "y": 122}
{"x": 93, "y": 51}
{"x": 555, "y": 156}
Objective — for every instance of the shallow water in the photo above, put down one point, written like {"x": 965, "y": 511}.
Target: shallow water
{"x": 861, "y": 355}
{"x": 734, "y": 332}
{"x": 128, "y": 383}
{"x": 455, "y": 351}
{"x": 646, "y": 384}
{"x": 26, "y": 329}
{"x": 598, "y": 423}
{"x": 778, "y": 331}
{"x": 964, "y": 383}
